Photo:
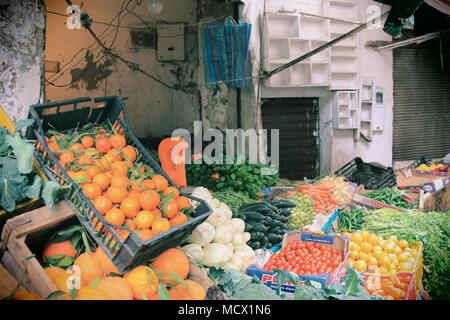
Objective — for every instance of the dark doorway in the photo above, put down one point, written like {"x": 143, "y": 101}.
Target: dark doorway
{"x": 298, "y": 122}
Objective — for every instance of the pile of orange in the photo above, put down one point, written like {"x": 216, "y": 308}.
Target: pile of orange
{"x": 125, "y": 191}
{"x": 92, "y": 279}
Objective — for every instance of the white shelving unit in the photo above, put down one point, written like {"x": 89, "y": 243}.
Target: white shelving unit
{"x": 372, "y": 110}
{"x": 345, "y": 110}
{"x": 290, "y": 36}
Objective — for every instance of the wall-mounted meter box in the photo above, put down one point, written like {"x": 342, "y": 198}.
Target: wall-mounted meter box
{"x": 170, "y": 45}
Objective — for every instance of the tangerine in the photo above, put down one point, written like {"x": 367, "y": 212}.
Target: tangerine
{"x": 103, "y": 204}
{"x": 87, "y": 142}
{"x": 129, "y": 153}
{"x": 117, "y": 194}
{"x": 149, "y": 200}
{"x": 130, "y": 207}
{"x": 143, "y": 281}
{"x": 102, "y": 180}
{"x": 160, "y": 225}
{"x": 92, "y": 191}
{"x": 103, "y": 145}
{"x": 144, "y": 219}
{"x": 160, "y": 182}
{"x": 115, "y": 216}
{"x": 118, "y": 141}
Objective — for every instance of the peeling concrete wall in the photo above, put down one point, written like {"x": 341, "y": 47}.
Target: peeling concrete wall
{"x": 22, "y": 29}
{"x": 154, "y": 110}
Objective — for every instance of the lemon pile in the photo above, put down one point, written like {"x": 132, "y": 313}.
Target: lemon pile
{"x": 430, "y": 168}
{"x": 374, "y": 254}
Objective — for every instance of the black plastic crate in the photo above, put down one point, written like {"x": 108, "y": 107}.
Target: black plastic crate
{"x": 373, "y": 177}
{"x": 419, "y": 161}
{"x": 65, "y": 116}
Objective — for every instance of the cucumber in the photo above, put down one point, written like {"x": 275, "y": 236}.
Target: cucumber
{"x": 255, "y": 216}
{"x": 242, "y": 216}
{"x": 263, "y": 242}
{"x": 282, "y": 203}
{"x": 269, "y": 245}
{"x": 275, "y": 230}
{"x": 255, "y": 245}
{"x": 259, "y": 227}
{"x": 285, "y": 212}
{"x": 248, "y": 227}
{"x": 255, "y": 235}
{"x": 274, "y": 238}
{"x": 234, "y": 214}
{"x": 268, "y": 221}
{"x": 253, "y": 206}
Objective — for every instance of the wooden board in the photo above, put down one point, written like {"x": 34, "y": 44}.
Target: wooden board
{"x": 14, "y": 237}
{"x": 8, "y": 283}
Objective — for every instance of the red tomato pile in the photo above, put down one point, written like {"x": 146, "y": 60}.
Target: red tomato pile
{"x": 305, "y": 258}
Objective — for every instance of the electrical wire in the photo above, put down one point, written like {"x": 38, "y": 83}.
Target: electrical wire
{"x": 63, "y": 68}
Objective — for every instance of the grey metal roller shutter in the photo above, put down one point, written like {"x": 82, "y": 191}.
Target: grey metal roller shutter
{"x": 298, "y": 122}
{"x": 421, "y": 103}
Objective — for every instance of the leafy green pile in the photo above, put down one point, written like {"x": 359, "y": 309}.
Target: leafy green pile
{"x": 432, "y": 229}
{"x": 352, "y": 219}
{"x": 238, "y": 176}
{"x": 394, "y": 197}
{"x": 351, "y": 287}
{"x": 240, "y": 286}
{"x": 17, "y": 181}
{"x": 233, "y": 199}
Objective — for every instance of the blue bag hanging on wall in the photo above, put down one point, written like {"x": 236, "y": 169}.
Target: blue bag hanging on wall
{"x": 225, "y": 53}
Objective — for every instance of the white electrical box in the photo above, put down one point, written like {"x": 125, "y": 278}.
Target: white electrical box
{"x": 170, "y": 45}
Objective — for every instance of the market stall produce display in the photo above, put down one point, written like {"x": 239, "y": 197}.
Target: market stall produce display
{"x": 341, "y": 189}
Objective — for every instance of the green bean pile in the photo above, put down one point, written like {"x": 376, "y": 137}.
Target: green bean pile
{"x": 351, "y": 220}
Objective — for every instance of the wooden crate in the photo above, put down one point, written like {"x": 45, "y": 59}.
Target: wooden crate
{"x": 36, "y": 226}
{"x": 8, "y": 283}
{"x": 16, "y": 234}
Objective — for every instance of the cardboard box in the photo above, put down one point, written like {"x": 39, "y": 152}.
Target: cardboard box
{"x": 341, "y": 243}
{"x": 408, "y": 179}
{"x": 437, "y": 201}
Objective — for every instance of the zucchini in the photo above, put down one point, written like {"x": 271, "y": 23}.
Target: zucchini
{"x": 275, "y": 230}
{"x": 268, "y": 221}
{"x": 255, "y": 235}
{"x": 242, "y": 216}
{"x": 251, "y": 215}
{"x": 253, "y": 205}
{"x": 248, "y": 227}
{"x": 255, "y": 245}
{"x": 235, "y": 214}
{"x": 263, "y": 242}
{"x": 283, "y": 203}
{"x": 274, "y": 238}
{"x": 285, "y": 212}
{"x": 259, "y": 227}
{"x": 269, "y": 245}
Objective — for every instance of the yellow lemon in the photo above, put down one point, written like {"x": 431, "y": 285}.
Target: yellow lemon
{"x": 403, "y": 244}
{"x": 350, "y": 261}
{"x": 382, "y": 243}
{"x": 397, "y": 250}
{"x": 384, "y": 260}
{"x": 373, "y": 239}
{"x": 383, "y": 270}
{"x": 363, "y": 256}
{"x": 404, "y": 256}
{"x": 389, "y": 247}
{"x": 364, "y": 234}
{"x": 405, "y": 266}
{"x": 378, "y": 254}
{"x": 377, "y": 249}
{"x": 346, "y": 234}
{"x": 360, "y": 266}
{"x": 354, "y": 254}
{"x": 372, "y": 261}
{"x": 354, "y": 246}
{"x": 366, "y": 247}
{"x": 393, "y": 238}
{"x": 357, "y": 238}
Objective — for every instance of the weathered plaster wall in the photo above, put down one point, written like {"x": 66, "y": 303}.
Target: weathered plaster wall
{"x": 22, "y": 25}
{"x": 153, "y": 109}
{"x": 336, "y": 146}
